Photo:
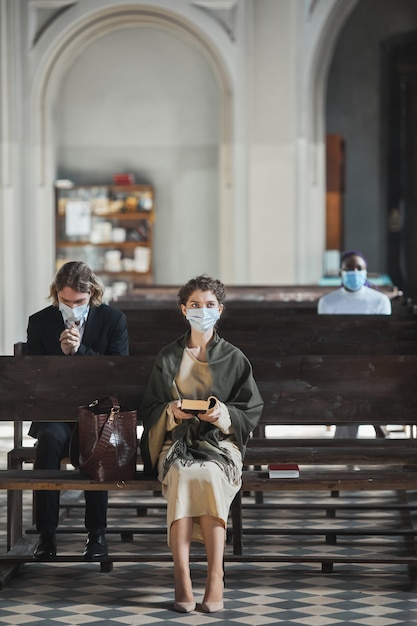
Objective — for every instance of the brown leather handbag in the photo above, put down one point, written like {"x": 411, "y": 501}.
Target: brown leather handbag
{"x": 106, "y": 439}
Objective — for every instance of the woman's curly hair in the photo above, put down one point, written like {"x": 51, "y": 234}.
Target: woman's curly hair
{"x": 202, "y": 283}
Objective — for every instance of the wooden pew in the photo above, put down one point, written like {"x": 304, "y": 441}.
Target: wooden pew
{"x": 298, "y": 390}
{"x": 267, "y": 331}
{"x": 299, "y": 295}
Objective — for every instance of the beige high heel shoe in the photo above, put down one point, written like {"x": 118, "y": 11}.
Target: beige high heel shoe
{"x": 212, "y": 607}
{"x": 184, "y": 607}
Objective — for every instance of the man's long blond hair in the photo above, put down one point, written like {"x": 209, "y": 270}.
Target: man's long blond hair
{"x": 77, "y": 276}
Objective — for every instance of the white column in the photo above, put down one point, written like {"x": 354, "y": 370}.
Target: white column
{"x": 272, "y": 220}
{"x": 11, "y": 244}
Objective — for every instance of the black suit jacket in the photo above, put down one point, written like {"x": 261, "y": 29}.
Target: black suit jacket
{"x": 105, "y": 332}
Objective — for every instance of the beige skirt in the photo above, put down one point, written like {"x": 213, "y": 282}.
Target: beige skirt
{"x": 198, "y": 489}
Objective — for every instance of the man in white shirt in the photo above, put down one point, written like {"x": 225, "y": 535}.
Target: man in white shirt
{"x": 355, "y": 296}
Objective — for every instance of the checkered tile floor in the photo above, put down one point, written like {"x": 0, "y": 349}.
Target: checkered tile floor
{"x": 256, "y": 594}
{"x": 131, "y": 595}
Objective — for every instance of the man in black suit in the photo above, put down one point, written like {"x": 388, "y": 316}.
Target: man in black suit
{"x": 75, "y": 324}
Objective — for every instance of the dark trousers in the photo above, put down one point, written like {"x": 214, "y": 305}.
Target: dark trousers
{"x": 53, "y": 446}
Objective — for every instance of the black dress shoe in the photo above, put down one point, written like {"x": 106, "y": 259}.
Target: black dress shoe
{"x": 46, "y": 548}
{"x": 96, "y": 546}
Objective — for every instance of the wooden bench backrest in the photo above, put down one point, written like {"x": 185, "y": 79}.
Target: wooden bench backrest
{"x": 376, "y": 389}
{"x": 264, "y": 330}
{"x": 285, "y": 295}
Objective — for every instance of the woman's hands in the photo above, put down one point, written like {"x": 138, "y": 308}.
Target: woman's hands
{"x": 178, "y": 413}
{"x": 211, "y": 416}
{"x": 70, "y": 340}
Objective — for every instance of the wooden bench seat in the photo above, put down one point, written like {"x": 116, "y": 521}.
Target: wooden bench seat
{"x": 302, "y": 391}
{"x": 325, "y": 479}
{"x": 317, "y": 479}
{"x": 68, "y": 479}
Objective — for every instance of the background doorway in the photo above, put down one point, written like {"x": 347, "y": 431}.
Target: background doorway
{"x": 401, "y": 62}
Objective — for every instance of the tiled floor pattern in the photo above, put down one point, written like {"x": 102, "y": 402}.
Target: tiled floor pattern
{"x": 256, "y": 594}
{"x": 141, "y": 594}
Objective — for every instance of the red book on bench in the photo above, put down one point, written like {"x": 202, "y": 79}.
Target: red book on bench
{"x": 283, "y": 470}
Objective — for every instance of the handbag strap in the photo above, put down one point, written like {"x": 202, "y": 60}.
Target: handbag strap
{"x": 106, "y": 406}
{"x": 104, "y": 440}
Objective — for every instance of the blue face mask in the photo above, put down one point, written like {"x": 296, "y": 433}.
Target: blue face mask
{"x": 202, "y": 319}
{"x": 354, "y": 279}
{"x": 73, "y": 315}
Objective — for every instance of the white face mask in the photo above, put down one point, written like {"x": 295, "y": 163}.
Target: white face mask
{"x": 203, "y": 319}
{"x": 74, "y": 315}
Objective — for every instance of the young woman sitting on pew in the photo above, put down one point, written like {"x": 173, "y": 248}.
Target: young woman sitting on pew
{"x": 355, "y": 296}
{"x": 198, "y": 455}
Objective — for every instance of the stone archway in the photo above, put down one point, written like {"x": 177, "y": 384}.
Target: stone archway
{"x": 71, "y": 42}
